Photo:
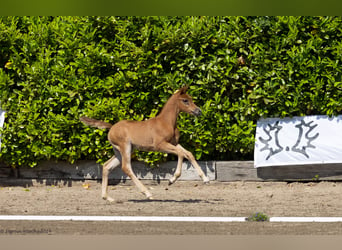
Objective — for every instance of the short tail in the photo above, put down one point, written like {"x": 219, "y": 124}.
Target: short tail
{"x": 95, "y": 123}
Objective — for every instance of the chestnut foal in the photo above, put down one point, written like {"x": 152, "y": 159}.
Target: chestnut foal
{"x": 156, "y": 134}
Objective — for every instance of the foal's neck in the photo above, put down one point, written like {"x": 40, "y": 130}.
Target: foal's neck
{"x": 170, "y": 112}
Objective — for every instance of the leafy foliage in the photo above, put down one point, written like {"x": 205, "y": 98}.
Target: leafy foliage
{"x": 55, "y": 69}
{"x": 258, "y": 217}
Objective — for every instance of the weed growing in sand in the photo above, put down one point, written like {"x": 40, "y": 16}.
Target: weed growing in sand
{"x": 258, "y": 217}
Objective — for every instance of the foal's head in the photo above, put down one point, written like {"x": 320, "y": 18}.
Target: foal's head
{"x": 185, "y": 103}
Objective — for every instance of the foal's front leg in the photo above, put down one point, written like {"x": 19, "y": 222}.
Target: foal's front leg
{"x": 178, "y": 171}
{"x": 127, "y": 169}
{"x": 191, "y": 158}
{"x": 181, "y": 153}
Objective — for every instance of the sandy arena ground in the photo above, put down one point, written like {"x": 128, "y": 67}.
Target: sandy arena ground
{"x": 184, "y": 198}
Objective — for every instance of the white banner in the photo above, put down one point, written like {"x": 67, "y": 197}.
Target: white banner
{"x": 298, "y": 140}
{"x": 2, "y": 120}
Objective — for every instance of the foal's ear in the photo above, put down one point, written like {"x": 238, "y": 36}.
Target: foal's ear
{"x": 183, "y": 90}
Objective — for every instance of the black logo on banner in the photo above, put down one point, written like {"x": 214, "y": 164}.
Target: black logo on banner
{"x": 304, "y": 139}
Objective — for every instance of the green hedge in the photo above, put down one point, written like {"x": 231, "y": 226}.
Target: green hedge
{"x": 55, "y": 69}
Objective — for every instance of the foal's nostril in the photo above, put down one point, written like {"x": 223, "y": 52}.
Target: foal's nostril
{"x": 197, "y": 112}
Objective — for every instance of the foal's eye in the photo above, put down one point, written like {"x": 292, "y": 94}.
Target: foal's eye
{"x": 185, "y": 101}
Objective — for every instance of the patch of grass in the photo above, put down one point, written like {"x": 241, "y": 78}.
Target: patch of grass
{"x": 316, "y": 178}
{"x": 258, "y": 217}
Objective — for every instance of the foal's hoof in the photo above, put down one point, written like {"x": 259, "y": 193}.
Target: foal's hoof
{"x": 108, "y": 199}
{"x": 206, "y": 180}
{"x": 148, "y": 195}
{"x": 173, "y": 179}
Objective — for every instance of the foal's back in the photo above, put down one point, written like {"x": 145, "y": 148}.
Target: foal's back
{"x": 144, "y": 135}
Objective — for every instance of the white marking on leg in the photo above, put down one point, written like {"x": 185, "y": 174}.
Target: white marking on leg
{"x": 191, "y": 158}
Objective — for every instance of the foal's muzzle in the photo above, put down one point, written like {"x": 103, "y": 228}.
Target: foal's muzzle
{"x": 197, "y": 112}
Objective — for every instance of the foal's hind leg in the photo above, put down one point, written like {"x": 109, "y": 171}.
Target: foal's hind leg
{"x": 107, "y": 167}
{"x": 127, "y": 169}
